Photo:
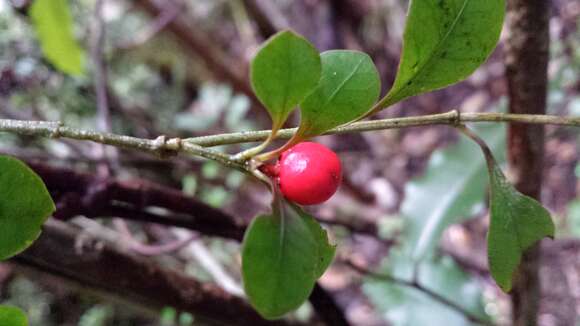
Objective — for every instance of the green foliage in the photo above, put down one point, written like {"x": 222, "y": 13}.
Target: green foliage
{"x": 12, "y": 316}
{"x": 349, "y": 86}
{"x": 24, "y": 206}
{"x": 453, "y": 185}
{"x": 283, "y": 73}
{"x": 283, "y": 255}
{"x": 403, "y": 305}
{"x": 53, "y": 24}
{"x": 444, "y": 42}
{"x": 516, "y": 223}
{"x": 325, "y": 250}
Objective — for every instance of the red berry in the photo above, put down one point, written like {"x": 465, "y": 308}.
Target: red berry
{"x": 309, "y": 173}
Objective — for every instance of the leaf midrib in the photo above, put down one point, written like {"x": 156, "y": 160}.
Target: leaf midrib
{"x": 436, "y": 50}
{"x": 343, "y": 83}
{"x": 282, "y": 249}
{"x": 509, "y": 220}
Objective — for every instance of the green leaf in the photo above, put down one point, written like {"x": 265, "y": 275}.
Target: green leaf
{"x": 349, "y": 86}
{"x": 283, "y": 254}
{"x": 278, "y": 264}
{"x": 53, "y": 24}
{"x": 453, "y": 185}
{"x": 12, "y": 316}
{"x": 516, "y": 223}
{"x": 285, "y": 70}
{"x": 24, "y": 206}
{"x": 444, "y": 42}
{"x": 402, "y": 305}
{"x": 326, "y": 250}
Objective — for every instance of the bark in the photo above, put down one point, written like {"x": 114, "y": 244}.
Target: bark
{"x": 84, "y": 194}
{"x": 78, "y": 193}
{"x": 527, "y": 55}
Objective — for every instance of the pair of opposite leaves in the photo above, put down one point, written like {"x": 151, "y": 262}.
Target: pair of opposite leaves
{"x": 444, "y": 42}
{"x": 332, "y": 88}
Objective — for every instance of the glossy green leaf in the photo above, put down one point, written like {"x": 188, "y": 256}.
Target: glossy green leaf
{"x": 24, "y": 206}
{"x": 283, "y": 254}
{"x": 402, "y": 305}
{"x": 444, "y": 42}
{"x": 326, "y": 250}
{"x": 12, "y": 316}
{"x": 54, "y": 26}
{"x": 516, "y": 223}
{"x": 349, "y": 86}
{"x": 451, "y": 188}
{"x": 285, "y": 70}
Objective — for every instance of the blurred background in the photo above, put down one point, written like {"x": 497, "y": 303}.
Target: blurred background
{"x": 179, "y": 68}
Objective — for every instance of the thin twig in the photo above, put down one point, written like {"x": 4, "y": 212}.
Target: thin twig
{"x": 195, "y": 146}
{"x": 123, "y": 238}
{"x": 448, "y": 118}
{"x": 149, "y": 249}
{"x": 418, "y": 286}
{"x": 487, "y": 153}
{"x": 161, "y": 146}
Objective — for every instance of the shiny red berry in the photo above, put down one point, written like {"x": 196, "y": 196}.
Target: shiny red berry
{"x": 309, "y": 173}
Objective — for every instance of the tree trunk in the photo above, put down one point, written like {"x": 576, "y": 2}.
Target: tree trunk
{"x": 527, "y": 54}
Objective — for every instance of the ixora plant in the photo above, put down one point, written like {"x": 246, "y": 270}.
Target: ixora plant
{"x": 286, "y": 250}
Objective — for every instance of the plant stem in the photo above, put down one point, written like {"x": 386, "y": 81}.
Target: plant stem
{"x": 487, "y": 153}
{"x": 295, "y": 139}
{"x": 161, "y": 146}
{"x": 197, "y": 146}
{"x": 249, "y": 153}
{"x": 448, "y": 118}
